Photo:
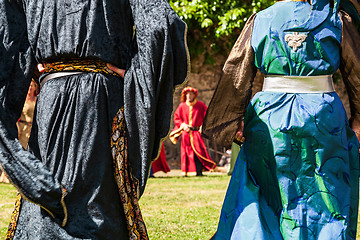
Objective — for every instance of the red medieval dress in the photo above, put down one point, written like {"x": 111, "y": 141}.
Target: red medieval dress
{"x": 191, "y": 143}
{"x": 160, "y": 163}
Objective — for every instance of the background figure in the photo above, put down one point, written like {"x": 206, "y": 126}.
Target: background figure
{"x": 25, "y": 121}
{"x": 225, "y": 159}
{"x": 3, "y": 177}
{"x": 160, "y": 164}
{"x": 297, "y": 173}
{"x": 95, "y": 131}
{"x": 188, "y": 119}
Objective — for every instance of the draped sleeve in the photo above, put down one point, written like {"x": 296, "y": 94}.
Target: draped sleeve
{"x": 159, "y": 64}
{"x": 178, "y": 118}
{"x": 33, "y": 180}
{"x": 350, "y": 63}
{"x": 205, "y": 110}
{"x": 232, "y": 95}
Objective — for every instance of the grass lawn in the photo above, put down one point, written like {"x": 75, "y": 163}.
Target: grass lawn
{"x": 183, "y": 208}
{"x": 7, "y": 200}
{"x": 173, "y": 207}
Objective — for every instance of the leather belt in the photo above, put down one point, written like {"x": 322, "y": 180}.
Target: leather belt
{"x": 194, "y": 128}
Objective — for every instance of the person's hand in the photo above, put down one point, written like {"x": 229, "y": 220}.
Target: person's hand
{"x": 40, "y": 67}
{"x": 185, "y": 127}
{"x": 355, "y": 126}
{"x": 119, "y": 71}
{"x": 240, "y": 131}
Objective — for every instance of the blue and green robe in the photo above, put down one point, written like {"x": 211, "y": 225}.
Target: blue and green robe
{"x": 296, "y": 176}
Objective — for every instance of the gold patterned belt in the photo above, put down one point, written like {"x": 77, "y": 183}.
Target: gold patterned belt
{"x": 74, "y": 66}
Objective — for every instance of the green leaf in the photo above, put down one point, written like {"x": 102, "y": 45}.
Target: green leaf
{"x": 206, "y": 23}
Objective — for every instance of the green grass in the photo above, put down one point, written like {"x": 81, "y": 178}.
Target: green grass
{"x": 7, "y": 200}
{"x": 173, "y": 207}
{"x": 183, "y": 208}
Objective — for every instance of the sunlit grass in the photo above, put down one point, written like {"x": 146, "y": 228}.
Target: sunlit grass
{"x": 7, "y": 200}
{"x": 176, "y": 208}
{"x": 173, "y": 207}
{"x": 183, "y": 208}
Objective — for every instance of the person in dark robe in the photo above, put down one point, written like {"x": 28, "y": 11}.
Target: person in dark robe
{"x": 95, "y": 131}
{"x": 297, "y": 173}
{"x": 188, "y": 119}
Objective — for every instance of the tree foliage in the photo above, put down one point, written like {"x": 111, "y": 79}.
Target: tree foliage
{"x": 214, "y": 24}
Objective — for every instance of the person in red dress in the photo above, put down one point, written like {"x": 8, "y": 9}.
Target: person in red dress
{"x": 188, "y": 119}
{"x": 160, "y": 163}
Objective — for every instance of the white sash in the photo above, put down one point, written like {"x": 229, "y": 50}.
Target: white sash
{"x": 298, "y": 84}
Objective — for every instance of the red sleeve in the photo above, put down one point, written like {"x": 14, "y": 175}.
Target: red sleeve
{"x": 205, "y": 109}
{"x": 178, "y": 120}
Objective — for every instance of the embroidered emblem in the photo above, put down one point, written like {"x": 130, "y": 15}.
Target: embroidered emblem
{"x": 295, "y": 40}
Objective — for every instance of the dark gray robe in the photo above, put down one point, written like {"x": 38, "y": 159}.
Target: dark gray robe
{"x": 71, "y": 137}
